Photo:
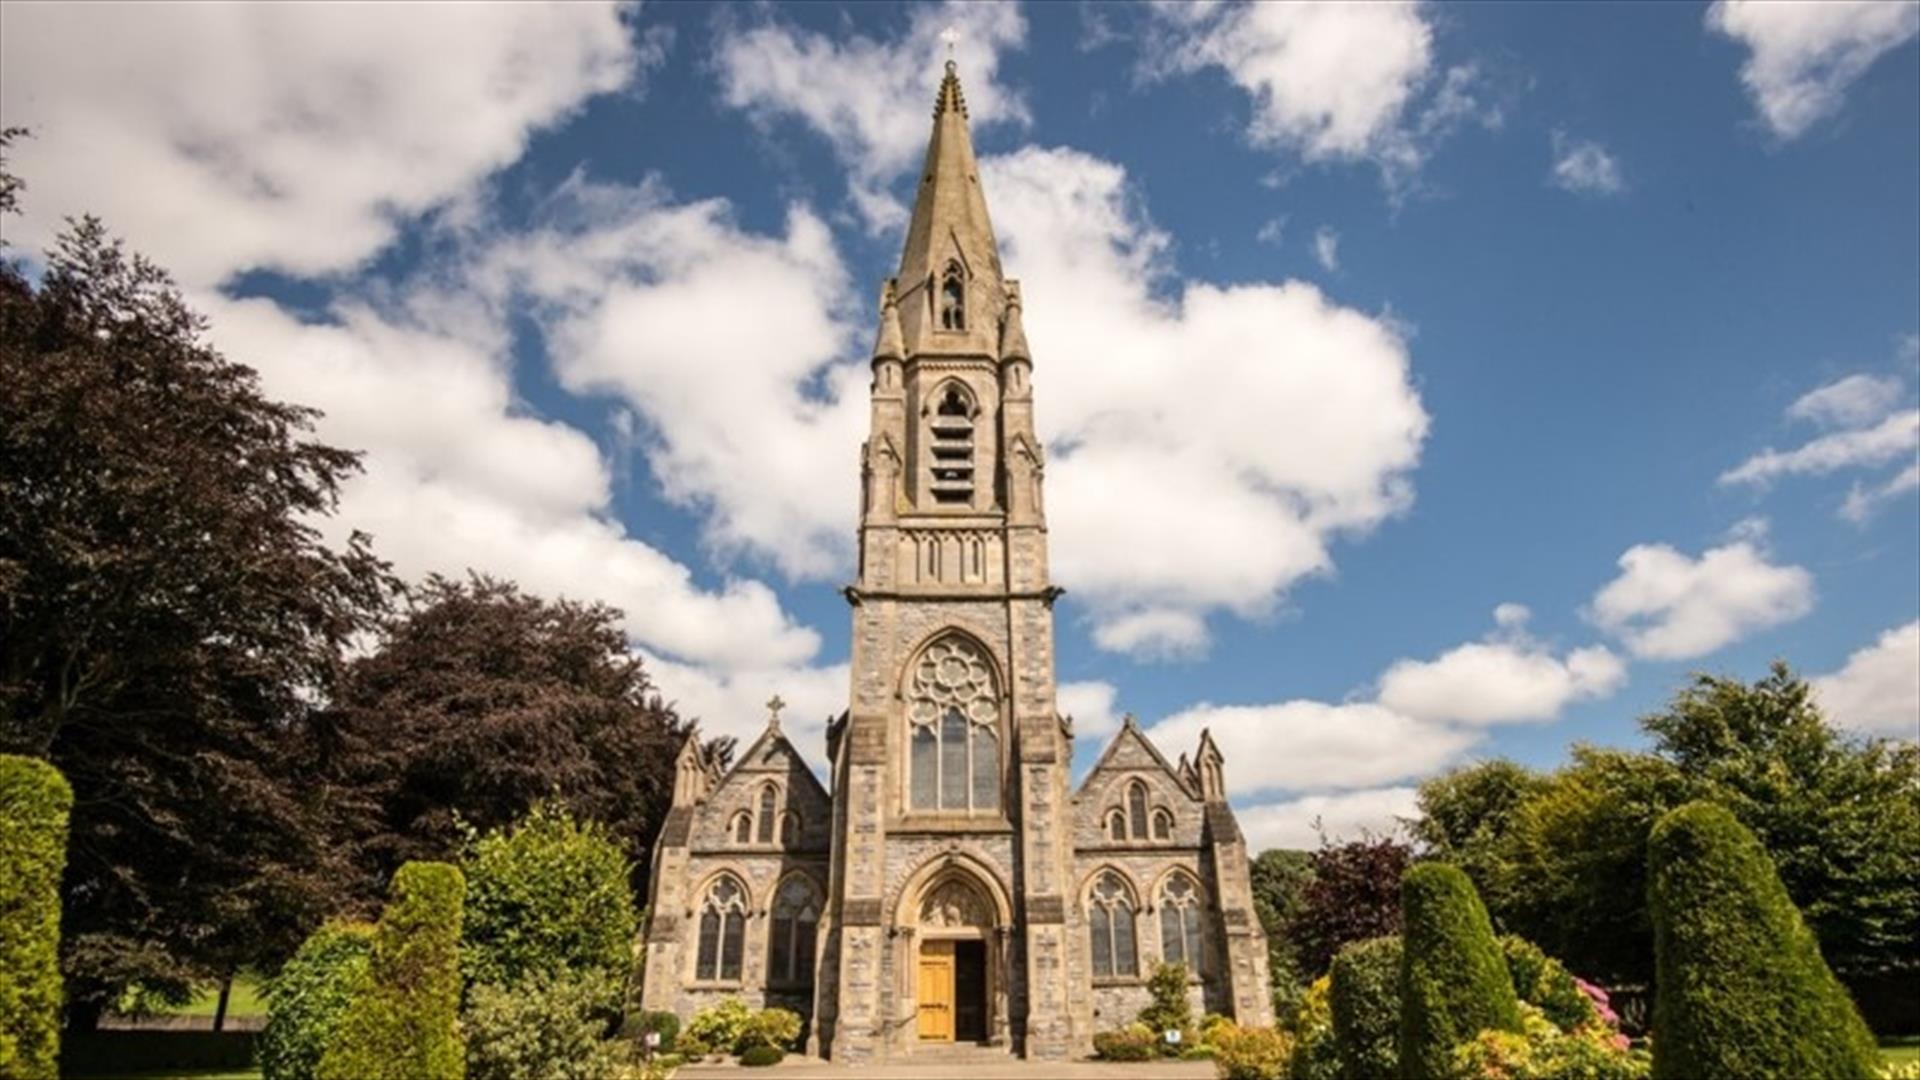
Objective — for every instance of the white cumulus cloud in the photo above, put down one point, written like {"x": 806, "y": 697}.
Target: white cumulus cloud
{"x": 1314, "y": 746}
{"x": 1090, "y": 705}
{"x": 1803, "y": 54}
{"x": 1509, "y": 678}
{"x": 1854, "y": 401}
{"x": 860, "y": 92}
{"x": 1864, "y": 501}
{"x": 1878, "y": 690}
{"x": 1667, "y": 605}
{"x": 1326, "y": 248}
{"x": 1584, "y": 167}
{"x": 1299, "y": 824}
{"x": 1328, "y": 81}
{"x": 1893, "y": 438}
{"x": 223, "y": 137}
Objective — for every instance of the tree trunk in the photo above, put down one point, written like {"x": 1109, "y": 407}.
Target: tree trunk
{"x": 220, "y": 1008}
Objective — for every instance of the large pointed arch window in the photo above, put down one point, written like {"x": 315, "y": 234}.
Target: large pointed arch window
{"x": 1110, "y": 925}
{"x": 1180, "y": 923}
{"x": 953, "y": 719}
{"x": 796, "y": 916}
{"x": 723, "y": 931}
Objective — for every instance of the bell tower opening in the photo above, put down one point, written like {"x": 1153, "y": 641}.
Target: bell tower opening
{"x": 952, "y": 429}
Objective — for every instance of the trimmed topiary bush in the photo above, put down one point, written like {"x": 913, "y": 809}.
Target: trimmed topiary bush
{"x": 547, "y": 895}
{"x": 402, "y": 1022}
{"x": 1542, "y": 981}
{"x": 1741, "y": 987}
{"x": 778, "y": 1028}
{"x": 547, "y": 1025}
{"x": 307, "y": 998}
{"x": 35, "y": 802}
{"x": 1135, "y": 1042}
{"x": 1364, "y": 993}
{"x": 1453, "y": 979}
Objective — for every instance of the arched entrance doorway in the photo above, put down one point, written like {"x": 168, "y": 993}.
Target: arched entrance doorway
{"x": 956, "y": 928}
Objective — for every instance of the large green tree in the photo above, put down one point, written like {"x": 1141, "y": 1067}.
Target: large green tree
{"x": 480, "y": 701}
{"x": 168, "y": 612}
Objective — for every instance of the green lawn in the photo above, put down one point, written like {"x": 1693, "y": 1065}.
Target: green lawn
{"x": 246, "y": 999}
{"x": 1900, "y": 1049}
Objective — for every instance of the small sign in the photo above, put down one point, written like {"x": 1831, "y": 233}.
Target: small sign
{"x": 1172, "y": 1036}
{"x": 653, "y": 1040}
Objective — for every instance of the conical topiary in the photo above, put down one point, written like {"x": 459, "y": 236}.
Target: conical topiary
{"x": 1741, "y": 988}
{"x": 402, "y": 1022}
{"x": 1453, "y": 979}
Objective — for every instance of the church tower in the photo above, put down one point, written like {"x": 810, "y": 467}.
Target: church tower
{"x": 952, "y": 847}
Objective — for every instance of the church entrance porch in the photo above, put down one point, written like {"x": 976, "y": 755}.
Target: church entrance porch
{"x": 953, "y": 991}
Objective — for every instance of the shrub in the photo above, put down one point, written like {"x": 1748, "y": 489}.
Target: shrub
{"x": 778, "y": 1028}
{"x": 1170, "y": 1010}
{"x": 547, "y": 1025}
{"x": 666, "y": 1023}
{"x": 1252, "y": 1054}
{"x": 548, "y": 895}
{"x": 1541, "y": 1051}
{"x": 1453, "y": 980}
{"x": 34, "y": 803}
{"x": 1741, "y": 989}
{"x": 1365, "y": 999}
{"x": 402, "y": 1021}
{"x": 1135, "y": 1042}
{"x": 1540, "y": 980}
{"x": 307, "y": 998}
{"x": 1314, "y": 1052}
{"x": 757, "y": 1056}
{"x": 717, "y": 1028}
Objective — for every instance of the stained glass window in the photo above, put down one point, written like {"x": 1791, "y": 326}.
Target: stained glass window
{"x": 953, "y": 719}
{"x": 1180, "y": 923}
{"x": 796, "y": 915}
{"x": 723, "y": 921}
{"x": 1110, "y": 922}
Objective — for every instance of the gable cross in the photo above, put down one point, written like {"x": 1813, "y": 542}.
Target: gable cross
{"x": 951, "y": 36}
{"x": 774, "y": 705}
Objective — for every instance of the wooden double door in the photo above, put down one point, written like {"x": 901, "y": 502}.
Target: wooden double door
{"x": 953, "y": 991}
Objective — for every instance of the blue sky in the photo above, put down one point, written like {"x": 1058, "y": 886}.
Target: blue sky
{"x": 1351, "y": 326}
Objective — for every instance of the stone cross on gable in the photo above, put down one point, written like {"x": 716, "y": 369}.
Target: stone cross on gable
{"x": 774, "y": 705}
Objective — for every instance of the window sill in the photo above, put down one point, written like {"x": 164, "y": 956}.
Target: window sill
{"x": 924, "y": 822}
{"x": 1102, "y": 982}
{"x": 723, "y": 984}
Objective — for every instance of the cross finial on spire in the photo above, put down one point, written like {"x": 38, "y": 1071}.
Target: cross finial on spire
{"x": 951, "y": 36}
{"x": 774, "y": 705}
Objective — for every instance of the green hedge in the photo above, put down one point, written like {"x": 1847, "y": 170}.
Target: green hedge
{"x": 1365, "y": 995}
{"x": 308, "y": 997}
{"x": 1453, "y": 979}
{"x": 1543, "y": 982}
{"x": 402, "y": 1023}
{"x": 34, "y": 804}
{"x": 1741, "y": 988}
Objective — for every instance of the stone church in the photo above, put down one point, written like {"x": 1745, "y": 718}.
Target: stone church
{"x": 953, "y": 886}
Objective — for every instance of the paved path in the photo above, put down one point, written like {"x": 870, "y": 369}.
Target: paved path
{"x": 805, "y": 1068}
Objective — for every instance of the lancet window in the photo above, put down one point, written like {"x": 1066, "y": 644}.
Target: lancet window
{"x": 723, "y": 926}
{"x": 1137, "y": 809}
{"x": 1110, "y": 923}
{"x": 953, "y": 298}
{"x": 951, "y": 426}
{"x": 1162, "y": 825}
{"x": 768, "y": 798}
{"x": 796, "y": 917}
{"x": 1180, "y": 923}
{"x": 953, "y": 719}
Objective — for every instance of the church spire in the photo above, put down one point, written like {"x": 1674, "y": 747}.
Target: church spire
{"x": 950, "y": 291}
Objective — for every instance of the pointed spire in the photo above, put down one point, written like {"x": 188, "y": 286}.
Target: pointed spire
{"x": 1013, "y": 334}
{"x": 950, "y": 294}
{"x": 951, "y": 99}
{"x": 891, "y": 345}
